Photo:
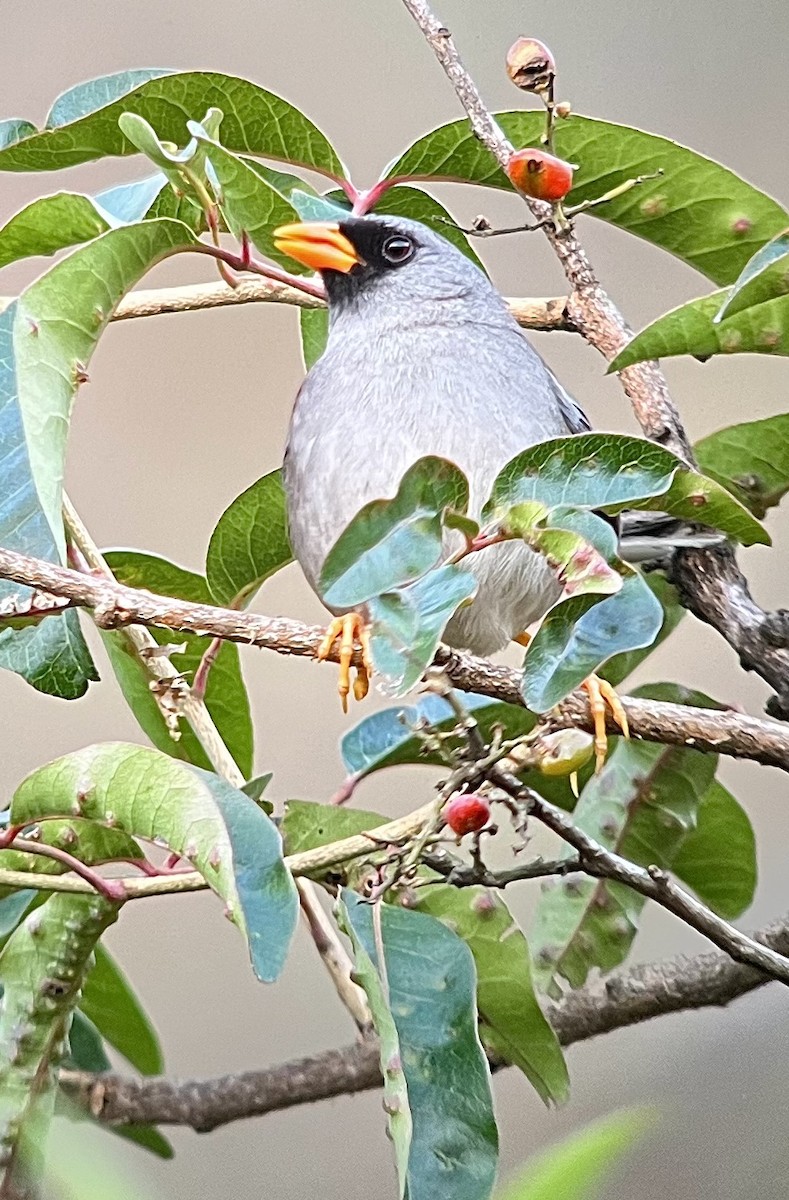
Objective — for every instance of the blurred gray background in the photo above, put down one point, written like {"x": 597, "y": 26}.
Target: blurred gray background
{"x": 184, "y": 412}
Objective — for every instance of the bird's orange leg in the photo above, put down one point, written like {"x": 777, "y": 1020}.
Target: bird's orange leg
{"x": 603, "y": 695}
{"x": 349, "y": 628}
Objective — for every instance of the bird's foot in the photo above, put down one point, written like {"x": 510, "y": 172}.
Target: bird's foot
{"x": 602, "y": 696}
{"x": 349, "y": 628}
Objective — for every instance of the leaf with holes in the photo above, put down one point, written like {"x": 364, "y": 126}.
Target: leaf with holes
{"x": 718, "y": 859}
{"x": 213, "y": 825}
{"x": 643, "y": 805}
{"x": 249, "y": 543}
{"x": 751, "y": 460}
{"x": 226, "y": 694}
{"x": 393, "y": 542}
{"x": 83, "y": 123}
{"x": 406, "y": 624}
{"x": 698, "y": 210}
{"x": 423, "y": 995}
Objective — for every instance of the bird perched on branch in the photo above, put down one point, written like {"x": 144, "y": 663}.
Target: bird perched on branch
{"x": 423, "y": 358}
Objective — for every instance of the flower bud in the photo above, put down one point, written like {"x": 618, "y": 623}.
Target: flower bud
{"x": 530, "y": 65}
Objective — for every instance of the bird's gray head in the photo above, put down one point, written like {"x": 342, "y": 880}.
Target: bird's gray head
{"x": 391, "y": 265}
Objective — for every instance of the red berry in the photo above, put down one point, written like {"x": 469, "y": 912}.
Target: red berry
{"x": 467, "y": 814}
{"x": 540, "y": 175}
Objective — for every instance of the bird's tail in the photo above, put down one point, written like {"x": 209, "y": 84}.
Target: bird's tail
{"x": 651, "y": 538}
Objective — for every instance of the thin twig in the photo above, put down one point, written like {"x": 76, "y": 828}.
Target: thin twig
{"x": 638, "y": 994}
{"x": 116, "y": 607}
{"x": 327, "y": 940}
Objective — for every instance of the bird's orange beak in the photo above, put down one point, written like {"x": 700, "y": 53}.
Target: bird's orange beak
{"x": 317, "y": 244}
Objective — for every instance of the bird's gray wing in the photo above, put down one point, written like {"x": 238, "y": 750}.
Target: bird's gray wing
{"x": 574, "y": 416}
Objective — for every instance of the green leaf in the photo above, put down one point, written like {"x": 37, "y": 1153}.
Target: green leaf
{"x": 692, "y": 329}
{"x": 109, "y": 1002}
{"x": 613, "y": 471}
{"x": 314, "y": 330}
{"x": 49, "y": 224}
{"x": 386, "y": 738}
{"x": 226, "y": 695}
{"x": 760, "y": 279}
{"x": 514, "y": 1026}
{"x": 393, "y": 542}
{"x": 580, "y": 633}
{"x": 255, "y": 122}
{"x": 42, "y": 967}
{"x": 51, "y": 655}
{"x": 250, "y": 542}
{"x": 79, "y": 1169}
{"x": 425, "y": 988}
{"x": 698, "y": 210}
{"x": 642, "y": 805}
{"x": 147, "y": 1136}
{"x": 92, "y": 844}
{"x": 576, "y": 1168}
{"x": 406, "y": 624}
{"x": 226, "y": 837}
{"x": 86, "y": 1047}
{"x": 307, "y": 825}
{"x": 250, "y": 204}
{"x": 751, "y": 460}
{"x": 718, "y": 858}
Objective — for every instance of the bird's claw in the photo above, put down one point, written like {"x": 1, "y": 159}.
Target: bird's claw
{"x": 349, "y": 628}
{"x": 602, "y": 696}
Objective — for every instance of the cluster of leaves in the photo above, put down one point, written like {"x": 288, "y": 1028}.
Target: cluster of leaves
{"x": 456, "y": 973}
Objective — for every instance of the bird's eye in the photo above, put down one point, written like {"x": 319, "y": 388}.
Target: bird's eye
{"x": 397, "y": 249}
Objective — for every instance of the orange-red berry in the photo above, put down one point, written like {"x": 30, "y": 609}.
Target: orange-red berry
{"x": 467, "y": 813}
{"x": 540, "y": 175}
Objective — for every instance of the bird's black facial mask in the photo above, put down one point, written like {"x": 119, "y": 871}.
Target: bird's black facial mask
{"x": 381, "y": 247}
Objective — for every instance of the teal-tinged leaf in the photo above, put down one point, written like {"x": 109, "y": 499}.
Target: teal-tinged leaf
{"x": 49, "y": 224}
{"x": 643, "y": 805}
{"x": 13, "y": 906}
{"x": 226, "y": 837}
{"x": 393, "y": 542}
{"x": 622, "y": 665}
{"x": 386, "y": 738}
{"x": 751, "y": 460}
{"x": 109, "y": 1002}
{"x": 692, "y": 329}
{"x": 131, "y": 201}
{"x": 52, "y": 352}
{"x": 85, "y": 98}
{"x": 698, "y": 210}
{"x": 576, "y": 1168}
{"x": 514, "y": 1026}
{"x": 427, "y": 984}
{"x": 763, "y": 277}
{"x": 255, "y": 122}
{"x": 406, "y": 624}
{"x": 718, "y": 859}
{"x": 52, "y": 655}
{"x": 249, "y": 543}
{"x": 14, "y": 130}
{"x": 42, "y": 967}
{"x": 580, "y": 633}
{"x": 612, "y": 471}
{"x": 226, "y": 695}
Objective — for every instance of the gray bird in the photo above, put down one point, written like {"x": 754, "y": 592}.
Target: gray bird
{"x": 423, "y": 357}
